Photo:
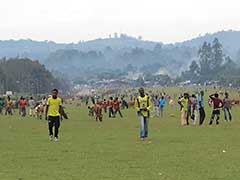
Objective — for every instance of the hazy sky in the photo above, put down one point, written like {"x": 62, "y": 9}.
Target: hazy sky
{"x": 74, "y": 20}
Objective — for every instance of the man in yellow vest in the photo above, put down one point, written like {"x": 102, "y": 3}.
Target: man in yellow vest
{"x": 53, "y": 115}
{"x": 143, "y": 106}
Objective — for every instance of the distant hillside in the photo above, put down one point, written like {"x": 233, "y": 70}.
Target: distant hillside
{"x": 40, "y": 50}
{"x": 25, "y": 75}
{"x": 117, "y": 52}
{"x": 229, "y": 39}
{"x": 78, "y": 63}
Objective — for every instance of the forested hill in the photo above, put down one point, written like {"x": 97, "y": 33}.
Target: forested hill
{"x": 118, "y": 52}
{"x": 24, "y": 75}
{"x": 40, "y": 50}
{"x": 229, "y": 39}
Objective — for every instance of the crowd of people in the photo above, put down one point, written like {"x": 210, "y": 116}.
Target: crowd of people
{"x": 112, "y": 106}
{"x": 191, "y": 106}
{"x": 36, "y": 108}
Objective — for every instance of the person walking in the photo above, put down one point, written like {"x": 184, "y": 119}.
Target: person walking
{"x": 52, "y": 114}
{"x": 183, "y": 102}
{"x": 110, "y": 108}
{"x": 162, "y": 103}
{"x": 8, "y": 106}
{"x": 194, "y": 109}
{"x": 202, "y": 114}
{"x": 217, "y": 105}
{"x": 116, "y": 106}
{"x": 227, "y": 105}
{"x": 143, "y": 106}
{"x": 32, "y": 105}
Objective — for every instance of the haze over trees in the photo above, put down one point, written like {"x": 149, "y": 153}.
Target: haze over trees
{"x": 26, "y": 76}
{"x": 213, "y": 66}
{"x": 212, "y": 57}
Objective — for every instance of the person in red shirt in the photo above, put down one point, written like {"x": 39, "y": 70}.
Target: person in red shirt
{"x": 110, "y": 108}
{"x": 217, "y": 105}
{"x": 105, "y": 105}
{"x": 117, "y": 107}
{"x": 22, "y": 105}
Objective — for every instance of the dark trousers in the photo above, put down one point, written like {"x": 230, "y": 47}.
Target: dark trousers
{"x": 8, "y": 111}
{"x": 111, "y": 113}
{"x": 188, "y": 115}
{"x": 215, "y": 113}
{"x": 201, "y": 115}
{"x": 118, "y": 111}
{"x": 53, "y": 121}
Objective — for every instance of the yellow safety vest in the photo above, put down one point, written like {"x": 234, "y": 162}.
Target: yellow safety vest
{"x": 143, "y": 102}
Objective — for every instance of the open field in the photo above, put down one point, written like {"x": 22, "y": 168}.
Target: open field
{"x": 88, "y": 150}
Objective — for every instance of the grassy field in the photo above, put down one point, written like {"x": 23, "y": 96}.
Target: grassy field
{"x": 88, "y": 150}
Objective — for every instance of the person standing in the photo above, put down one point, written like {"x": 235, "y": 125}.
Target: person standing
{"x": 194, "y": 109}
{"x": 110, "y": 108}
{"x": 117, "y": 107}
{"x": 1, "y": 105}
{"x": 217, "y": 105}
{"x": 155, "y": 101}
{"x": 105, "y": 105}
{"x": 227, "y": 105}
{"x": 189, "y": 109}
{"x": 143, "y": 106}
{"x": 44, "y": 103}
{"x": 52, "y": 114}
{"x": 32, "y": 105}
{"x": 201, "y": 108}
{"x": 98, "y": 111}
{"x": 183, "y": 102}
{"x": 8, "y": 106}
{"x": 22, "y": 106}
{"x": 162, "y": 103}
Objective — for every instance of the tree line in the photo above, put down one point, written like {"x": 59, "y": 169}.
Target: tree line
{"x": 212, "y": 65}
{"x": 27, "y": 76}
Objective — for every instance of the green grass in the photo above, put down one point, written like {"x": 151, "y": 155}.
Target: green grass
{"x": 111, "y": 150}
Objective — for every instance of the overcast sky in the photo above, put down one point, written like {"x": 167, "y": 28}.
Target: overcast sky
{"x": 74, "y": 20}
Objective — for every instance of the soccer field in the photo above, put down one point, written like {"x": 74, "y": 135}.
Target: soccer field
{"x": 88, "y": 150}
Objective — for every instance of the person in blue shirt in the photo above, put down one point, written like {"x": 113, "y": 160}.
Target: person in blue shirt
{"x": 162, "y": 103}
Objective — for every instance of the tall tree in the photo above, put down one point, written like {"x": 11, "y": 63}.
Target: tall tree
{"x": 217, "y": 55}
{"x": 205, "y": 57}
